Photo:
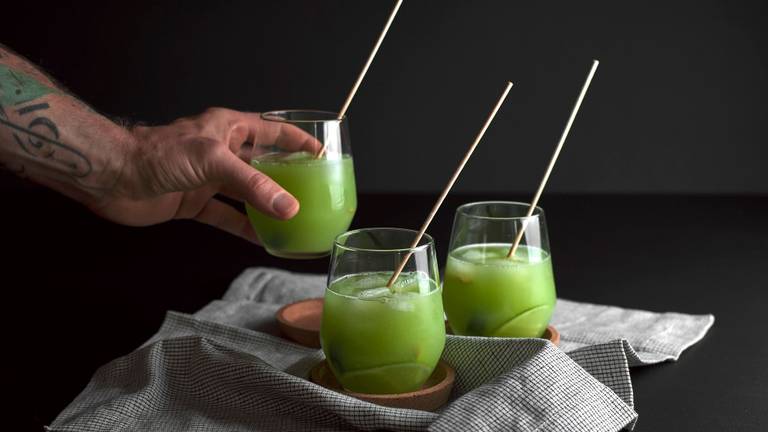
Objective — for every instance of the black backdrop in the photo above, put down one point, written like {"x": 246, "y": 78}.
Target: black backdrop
{"x": 677, "y": 105}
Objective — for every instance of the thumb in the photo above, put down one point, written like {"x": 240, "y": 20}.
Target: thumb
{"x": 256, "y": 188}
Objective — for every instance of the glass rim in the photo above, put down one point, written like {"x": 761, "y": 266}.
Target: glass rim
{"x": 429, "y": 240}
{"x": 462, "y": 209}
{"x": 277, "y": 116}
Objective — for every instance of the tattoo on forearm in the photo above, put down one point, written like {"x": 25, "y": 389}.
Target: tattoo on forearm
{"x": 17, "y": 87}
{"x": 31, "y": 108}
{"x": 38, "y": 137}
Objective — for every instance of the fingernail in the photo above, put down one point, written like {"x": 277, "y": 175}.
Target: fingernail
{"x": 284, "y": 204}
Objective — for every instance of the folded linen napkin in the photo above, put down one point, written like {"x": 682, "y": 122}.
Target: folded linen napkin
{"x": 223, "y": 370}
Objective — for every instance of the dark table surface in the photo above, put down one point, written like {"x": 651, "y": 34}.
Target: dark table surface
{"x": 80, "y": 291}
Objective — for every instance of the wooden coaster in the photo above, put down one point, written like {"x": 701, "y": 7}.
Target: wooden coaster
{"x": 552, "y": 334}
{"x": 432, "y": 395}
{"x": 300, "y": 321}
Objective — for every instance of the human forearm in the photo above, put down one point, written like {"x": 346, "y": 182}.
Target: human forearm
{"x": 146, "y": 175}
{"x": 50, "y": 137}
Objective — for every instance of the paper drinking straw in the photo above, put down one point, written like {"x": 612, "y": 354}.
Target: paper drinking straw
{"x": 552, "y": 161}
{"x": 365, "y": 69}
{"x": 447, "y": 189}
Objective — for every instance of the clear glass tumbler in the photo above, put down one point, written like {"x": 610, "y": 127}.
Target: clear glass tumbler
{"x": 487, "y": 293}
{"x": 324, "y": 186}
{"x": 376, "y": 339}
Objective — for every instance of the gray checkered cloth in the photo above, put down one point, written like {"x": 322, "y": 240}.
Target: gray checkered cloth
{"x": 224, "y": 369}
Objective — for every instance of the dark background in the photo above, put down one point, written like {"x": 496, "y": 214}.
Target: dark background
{"x": 657, "y": 201}
{"x": 677, "y": 106}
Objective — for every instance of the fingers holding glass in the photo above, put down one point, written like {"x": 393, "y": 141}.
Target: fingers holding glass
{"x": 325, "y": 185}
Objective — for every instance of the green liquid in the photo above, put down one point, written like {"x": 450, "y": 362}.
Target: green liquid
{"x": 326, "y": 192}
{"x": 487, "y": 294}
{"x": 379, "y": 342}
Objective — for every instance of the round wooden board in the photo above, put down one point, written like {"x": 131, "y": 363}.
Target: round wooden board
{"x": 433, "y": 394}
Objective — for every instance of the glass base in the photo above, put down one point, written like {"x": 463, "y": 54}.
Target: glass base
{"x": 298, "y": 255}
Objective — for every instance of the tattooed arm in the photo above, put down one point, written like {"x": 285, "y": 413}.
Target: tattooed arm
{"x": 141, "y": 176}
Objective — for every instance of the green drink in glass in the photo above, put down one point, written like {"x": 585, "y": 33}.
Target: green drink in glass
{"x": 324, "y": 186}
{"x": 488, "y": 294}
{"x": 376, "y": 339}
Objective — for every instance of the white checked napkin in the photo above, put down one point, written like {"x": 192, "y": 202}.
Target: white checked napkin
{"x": 224, "y": 370}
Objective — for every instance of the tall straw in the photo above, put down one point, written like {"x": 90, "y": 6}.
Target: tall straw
{"x": 552, "y": 161}
{"x": 365, "y": 69}
{"x": 448, "y": 187}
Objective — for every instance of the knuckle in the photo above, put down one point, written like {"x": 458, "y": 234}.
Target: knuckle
{"x": 216, "y": 111}
{"x": 183, "y": 122}
{"x": 259, "y": 183}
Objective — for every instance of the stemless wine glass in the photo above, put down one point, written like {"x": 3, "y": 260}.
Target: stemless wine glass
{"x": 485, "y": 292}
{"x": 324, "y": 186}
{"x": 377, "y": 339}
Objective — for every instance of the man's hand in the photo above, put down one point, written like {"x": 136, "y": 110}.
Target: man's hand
{"x": 174, "y": 171}
{"x": 146, "y": 175}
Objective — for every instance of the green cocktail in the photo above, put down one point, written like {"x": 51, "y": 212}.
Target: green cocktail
{"x": 325, "y": 189}
{"x": 487, "y": 294}
{"x": 380, "y": 341}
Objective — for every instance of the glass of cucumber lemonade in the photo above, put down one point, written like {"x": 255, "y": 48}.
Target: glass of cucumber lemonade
{"x": 324, "y": 186}
{"x": 487, "y": 293}
{"x": 377, "y": 339}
